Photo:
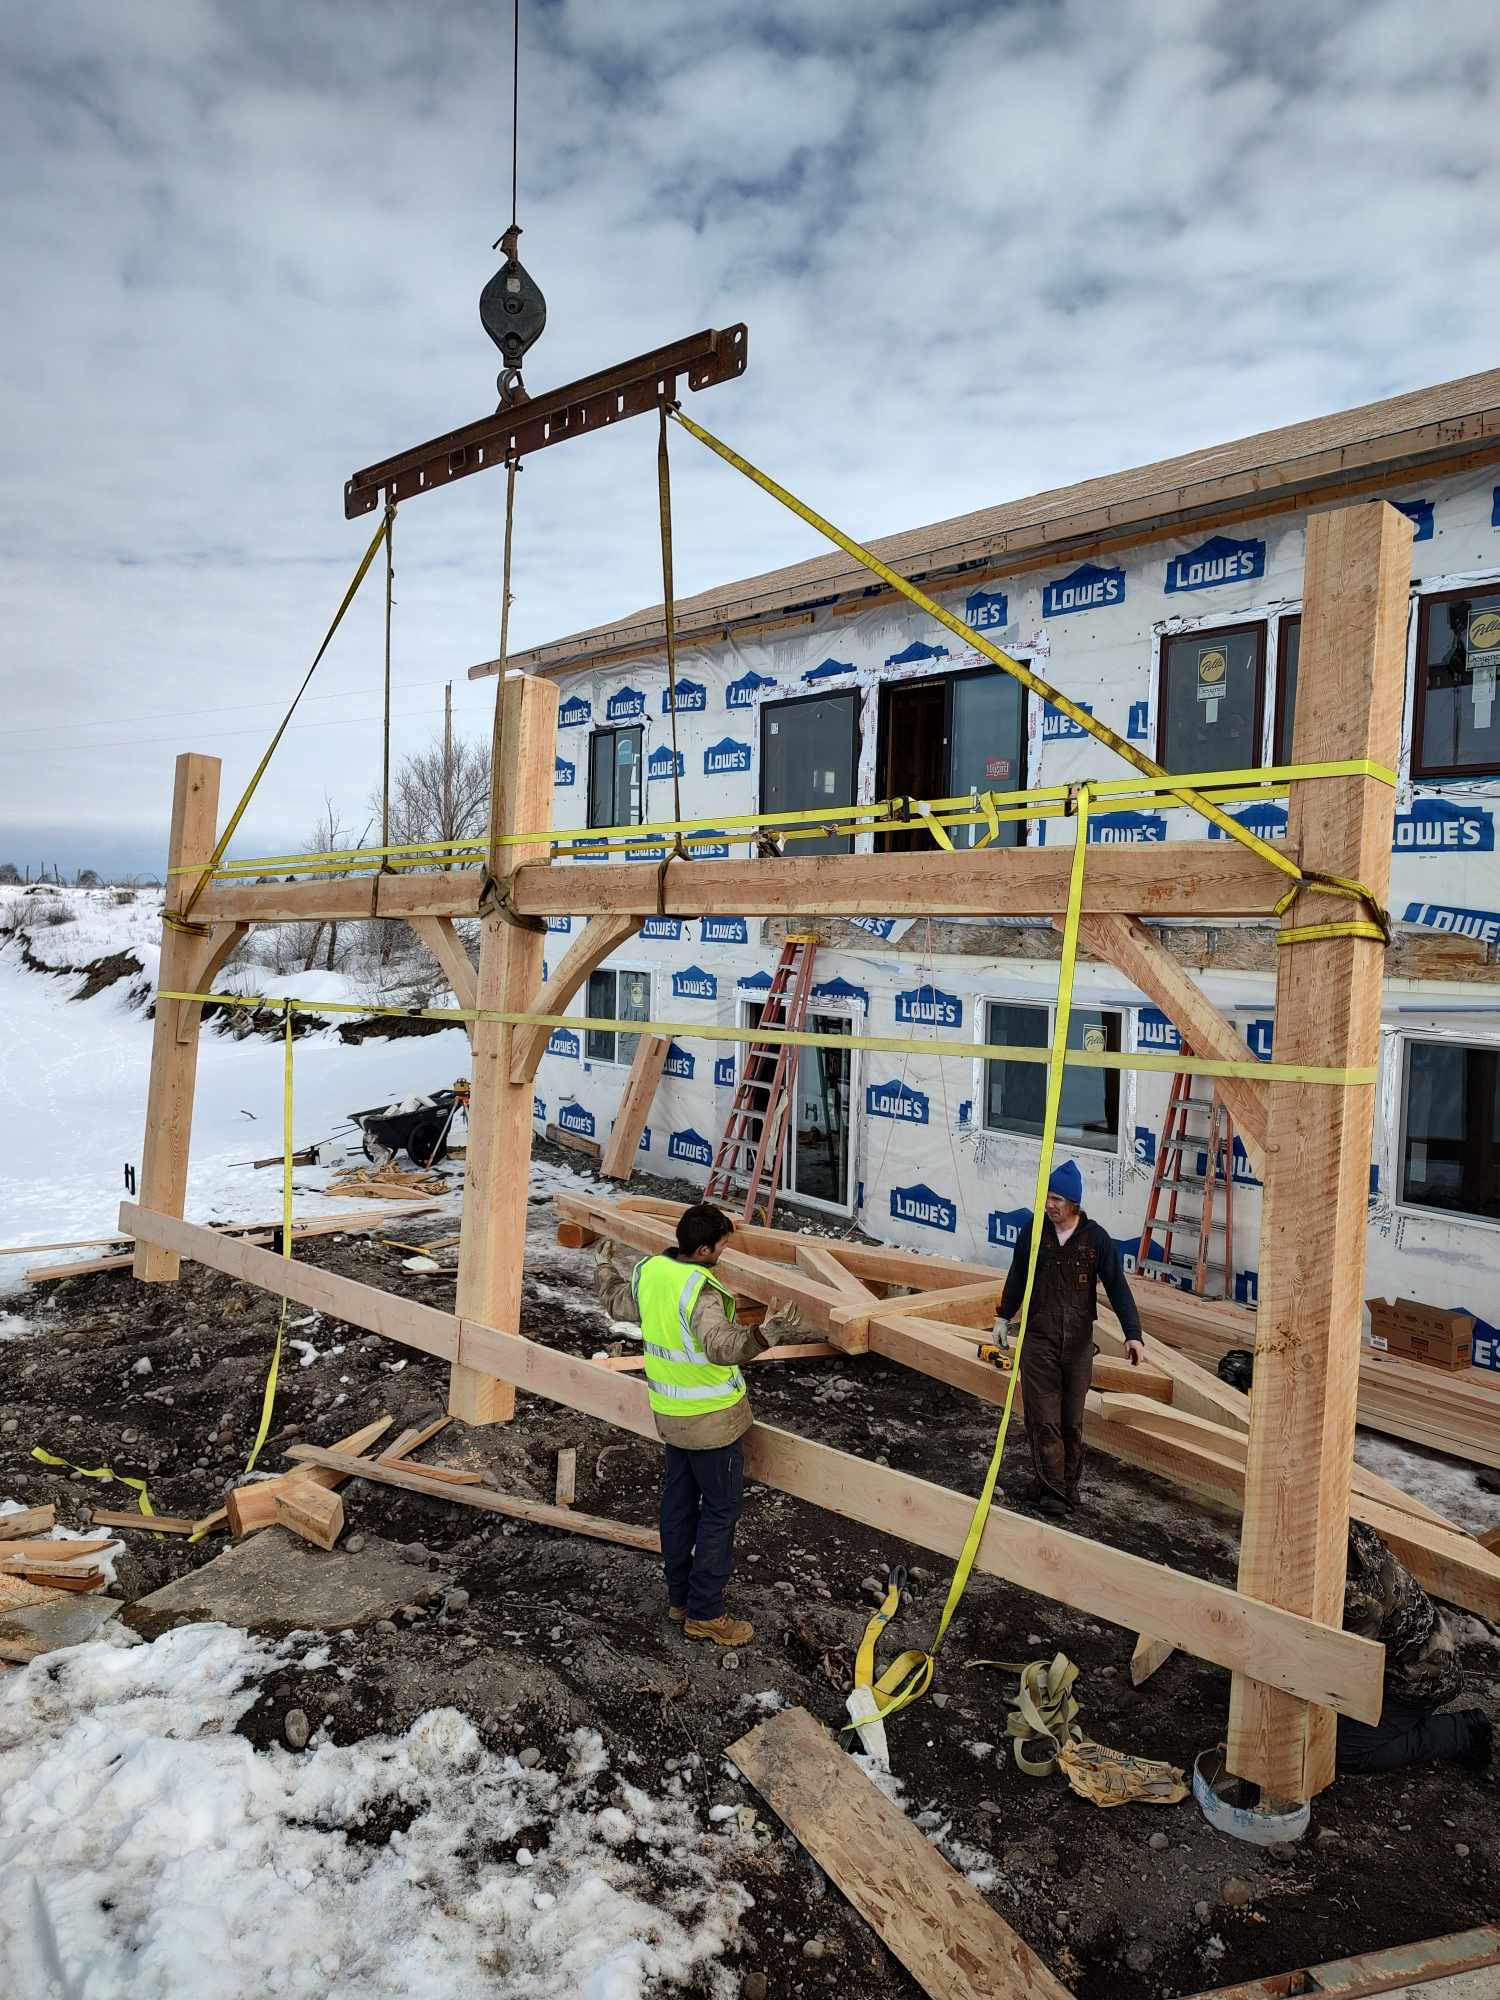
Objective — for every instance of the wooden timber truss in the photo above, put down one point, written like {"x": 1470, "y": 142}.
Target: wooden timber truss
{"x": 1280, "y": 1632}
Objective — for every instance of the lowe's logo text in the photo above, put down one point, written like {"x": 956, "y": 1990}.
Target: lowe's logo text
{"x": 693, "y": 983}
{"x": 1153, "y": 1030}
{"x": 588, "y": 850}
{"x": 539, "y": 1110}
{"x": 930, "y": 1007}
{"x": 1261, "y": 1037}
{"x": 624, "y": 705}
{"x": 564, "y": 773}
{"x": 1087, "y": 588}
{"x": 1483, "y": 925}
{"x": 1121, "y": 828}
{"x": 645, "y": 1145}
{"x": 1005, "y": 1226}
{"x": 679, "y": 1064}
{"x": 742, "y": 693}
{"x": 574, "y": 712}
{"x": 559, "y": 923}
{"x": 1056, "y": 725}
{"x": 1437, "y": 826}
{"x": 724, "y": 1073}
{"x": 726, "y": 755}
{"x": 896, "y": 1100}
{"x": 692, "y": 699}
{"x": 707, "y": 845}
{"x": 1221, "y": 559}
{"x": 1268, "y": 820}
{"x": 562, "y": 1042}
{"x": 924, "y": 1205}
{"x": 664, "y": 763}
{"x": 1419, "y": 513}
{"x": 662, "y": 927}
{"x": 651, "y": 851}
{"x": 1145, "y": 1146}
{"x": 692, "y": 1146}
{"x": 880, "y": 927}
{"x": 1136, "y": 728}
{"x": 573, "y": 1118}
{"x": 725, "y": 930}
{"x": 985, "y": 609}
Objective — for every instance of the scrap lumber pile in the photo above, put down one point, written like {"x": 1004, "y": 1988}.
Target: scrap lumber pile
{"x": 35, "y": 1562}
{"x": 390, "y": 1183}
{"x": 1170, "y": 1416}
{"x": 249, "y": 1232}
{"x": 1457, "y": 1412}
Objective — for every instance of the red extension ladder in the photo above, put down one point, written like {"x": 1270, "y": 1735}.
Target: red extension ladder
{"x": 1177, "y": 1179}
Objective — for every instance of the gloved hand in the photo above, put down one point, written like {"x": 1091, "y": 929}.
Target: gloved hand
{"x": 1002, "y": 1330}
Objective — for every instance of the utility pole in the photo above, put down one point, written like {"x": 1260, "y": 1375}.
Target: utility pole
{"x": 448, "y": 764}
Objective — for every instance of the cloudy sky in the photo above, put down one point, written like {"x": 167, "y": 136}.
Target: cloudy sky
{"x": 982, "y": 249}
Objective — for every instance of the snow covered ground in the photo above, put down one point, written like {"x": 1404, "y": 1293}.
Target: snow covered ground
{"x": 73, "y": 1088}
{"x": 147, "y": 1849}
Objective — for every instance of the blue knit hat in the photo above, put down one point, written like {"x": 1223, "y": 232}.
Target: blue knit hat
{"x": 1068, "y": 1182}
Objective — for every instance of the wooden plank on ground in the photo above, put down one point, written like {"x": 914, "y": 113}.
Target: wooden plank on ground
{"x": 1149, "y": 1654}
{"x": 566, "y": 1491}
{"x": 924, "y": 1912}
{"x": 254, "y": 1506}
{"x": 53, "y": 1550}
{"x": 540, "y": 1513}
{"x": 55, "y": 1576}
{"x": 1318, "y": 1662}
{"x": 30, "y": 1521}
{"x": 624, "y": 1144}
{"x": 315, "y": 1513}
{"x": 410, "y": 1440}
{"x": 157, "y": 1524}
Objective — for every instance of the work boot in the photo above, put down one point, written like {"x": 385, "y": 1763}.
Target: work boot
{"x": 723, "y": 1630}
{"x": 677, "y": 1613}
{"x": 1052, "y": 1508}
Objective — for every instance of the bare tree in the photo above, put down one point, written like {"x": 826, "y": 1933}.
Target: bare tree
{"x": 328, "y": 836}
{"x": 428, "y": 804}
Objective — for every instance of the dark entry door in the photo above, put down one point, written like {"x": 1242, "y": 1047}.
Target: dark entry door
{"x": 808, "y": 754}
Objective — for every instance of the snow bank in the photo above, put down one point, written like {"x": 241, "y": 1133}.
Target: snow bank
{"x": 147, "y": 1849}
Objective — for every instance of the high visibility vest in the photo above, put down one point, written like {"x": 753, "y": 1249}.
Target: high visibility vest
{"x": 680, "y": 1378}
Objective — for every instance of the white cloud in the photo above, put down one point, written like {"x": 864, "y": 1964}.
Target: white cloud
{"x": 981, "y": 249}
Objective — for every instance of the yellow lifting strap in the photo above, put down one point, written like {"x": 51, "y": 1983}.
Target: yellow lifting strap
{"x": 183, "y": 922}
{"x": 921, "y": 1666}
{"x": 273, "y": 1373}
{"x": 981, "y": 643}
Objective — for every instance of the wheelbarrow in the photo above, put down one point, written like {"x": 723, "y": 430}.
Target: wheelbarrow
{"x": 417, "y": 1126}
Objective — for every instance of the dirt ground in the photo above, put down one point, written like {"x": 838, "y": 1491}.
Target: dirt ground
{"x": 547, "y": 1630}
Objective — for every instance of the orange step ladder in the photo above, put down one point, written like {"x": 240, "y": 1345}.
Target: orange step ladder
{"x": 753, "y": 1146}
{"x": 1179, "y": 1181}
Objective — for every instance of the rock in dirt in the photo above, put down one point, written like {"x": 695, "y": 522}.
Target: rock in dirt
{"x": 414, "y": 1552}
{"x": 456, "y": 1600}
{"x": 353, "y": 1544}
{"x": 753, "y": 1986}
{"x": 873, "y": 1588}
{"x": 1203, "y": 1911}
{"x": 1235, "y": 1893}
{"x": 814, "y": 1948}
{"x": 1159, "y": 1843}
{"x": 1140, "y": 1956}
{"x": 730, "y": 1664}
{"x": 530, "y": 1757}
{"x": 296, "y": 1728}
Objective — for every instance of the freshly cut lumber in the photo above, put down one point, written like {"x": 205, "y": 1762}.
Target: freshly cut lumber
{"x": 74, "y": 1243}
{"x": 30, "y": 1521}
{"x": 925, "y": 1913}
{"x": 792, "y": 1350}
{"x": 599, "y": 939}
{"x": 566, "y": 1491}
{"x": 254, "y": 1506}
{"x": 249, "y": 1232}
{"x": 53, "y": 1551}
{"x": 452, "y": 955}
{"x": 540, "y": 1512}
{"x": 1490, "y": 1540}
{"x": 1144, "y": 1379}
{"x": 409, "y": 1440}
{"x": 455, "y": 1475}
{"x": 623, "y": 1149}
{"x": 55, "y": 1576}
{"x": 820, "y": 1260}
{"x": 314, "y": 1512}
{"x": 1149, "y": 1654}
{"x": 1318, "y": 1662}
{"x": 159, "y": 1524}
{"x": 219, "y": 1518}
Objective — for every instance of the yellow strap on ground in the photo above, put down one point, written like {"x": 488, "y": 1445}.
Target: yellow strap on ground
{"x": 273, "y": 1374}
{"x": 1167, "y": 1065}
{"x": 182, "y": 921}
{"x": 1031, "y": 802}
{"x": 142, "y": 1497}
{"x": 919, "y": 1678}
{"x": 912, "y": 1663}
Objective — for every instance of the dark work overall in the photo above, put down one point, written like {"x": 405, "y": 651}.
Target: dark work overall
{"x": 1057, "y": 1359}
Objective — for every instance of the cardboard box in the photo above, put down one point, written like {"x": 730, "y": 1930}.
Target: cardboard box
{"x": 1433, "y": 1334}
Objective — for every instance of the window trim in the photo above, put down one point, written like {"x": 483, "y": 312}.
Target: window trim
{"x": 905, "y": 683}
{"x": 852, "y": 696}
{"x": 1419, "y": 768}
{"x": 615, "y": 968}
{"x": 1281, "y": 750}
{"x": 1427, "y": 1211}
{"x": 613, "y": 730}
{"x": 1125, "y": 1114}
{"x": 1167, "y": 640}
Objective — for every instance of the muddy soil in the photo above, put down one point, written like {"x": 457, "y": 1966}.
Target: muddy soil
{"x": 544, "y": 1631}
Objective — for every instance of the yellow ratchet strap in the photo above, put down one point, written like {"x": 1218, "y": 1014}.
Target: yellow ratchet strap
{"x": 919, "y": 1675}
{"x": 142, "y": 1497}
{"x": 909, "y": 1665}
{"x": 182, "y": 922}
{"x": 268, "y": 1398}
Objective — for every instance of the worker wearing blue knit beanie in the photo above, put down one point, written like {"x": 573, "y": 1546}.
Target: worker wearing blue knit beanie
{"x": 1074, "y": 1257}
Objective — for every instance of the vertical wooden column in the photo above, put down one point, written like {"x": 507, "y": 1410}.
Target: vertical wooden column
{"x": 174, "y": 1038}
{"x": 1293, "y": 1547}
{"x": 510, "y": 972}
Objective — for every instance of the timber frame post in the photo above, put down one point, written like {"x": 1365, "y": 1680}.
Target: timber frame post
{"x": 498, "y": 1168}
{"x": 174, "y": 1034}
{"x": 1293, "y": 1549}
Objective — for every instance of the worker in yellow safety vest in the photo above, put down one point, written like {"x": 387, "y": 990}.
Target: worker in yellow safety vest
{"x": 693, "y": 1350}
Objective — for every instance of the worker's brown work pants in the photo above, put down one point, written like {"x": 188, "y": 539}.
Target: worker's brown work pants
{"x": 1056, "y": 1367}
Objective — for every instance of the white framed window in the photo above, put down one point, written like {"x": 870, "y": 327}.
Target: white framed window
{"x": 818, "y": 1166}
{"x": 1448, "y": 1155}
{"x": 616, "y": 993}
{"x": 1013, "y": 1095}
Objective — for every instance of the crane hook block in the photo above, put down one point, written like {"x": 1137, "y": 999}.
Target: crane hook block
{"x": 512, "y": 310}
